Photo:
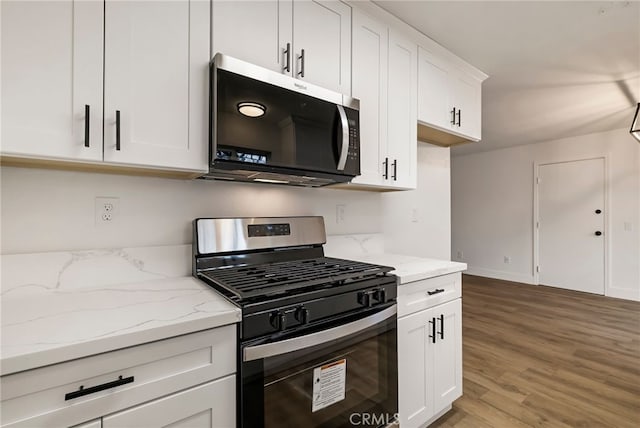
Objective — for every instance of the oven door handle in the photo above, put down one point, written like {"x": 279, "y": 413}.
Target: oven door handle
{"x": 290, "y": 345}
{"x": 344, "y": 149}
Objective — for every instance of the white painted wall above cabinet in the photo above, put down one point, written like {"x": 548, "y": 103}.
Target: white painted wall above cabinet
{"x": 309, "y": 40}
{"x": 153, "y": 70}
{"x": 449, "y": 101}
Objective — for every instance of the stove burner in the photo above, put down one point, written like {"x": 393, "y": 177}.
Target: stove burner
{"x": 257, "y": 281}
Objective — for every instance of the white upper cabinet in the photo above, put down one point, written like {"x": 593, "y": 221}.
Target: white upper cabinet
{"x": 449, "y": 100}
{"x": 322, "y": 44}
{"x": 466, "y": 94}
{"x": 51, "y": 73}
{"x": 309, "y": 40}
{"x": 156, "y": 90}
{"x": 370, "y": 54}
{"x": 402, "y": 144}
{"x": 253, "y": 31}
{"x": 433, "y": 89}
{"x": 384, "y": 79}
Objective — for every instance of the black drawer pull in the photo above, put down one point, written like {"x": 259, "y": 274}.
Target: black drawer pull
{"x": 82, "y": 391}
{"x": 436, "y": 291}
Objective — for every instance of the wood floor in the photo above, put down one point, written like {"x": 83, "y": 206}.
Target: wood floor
{"x": 540, "y": 356}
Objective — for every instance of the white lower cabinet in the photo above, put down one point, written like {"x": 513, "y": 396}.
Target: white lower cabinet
{"x": 429, "y": 355}
{"x": 211, "y": 405}
{"x": 186, "y": 380}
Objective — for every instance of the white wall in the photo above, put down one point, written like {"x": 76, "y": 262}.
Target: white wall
{"x": 47, "y": 210}
{"x": 418, "y": 222}
{"x": 492, "y": 207}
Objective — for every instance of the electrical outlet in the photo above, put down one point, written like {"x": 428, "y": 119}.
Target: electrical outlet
{"x": 460, "y": 255}
{"x": 507, "y": 259}
{"x": 340, "y": 213}
{"x": 414, "y": 215}
{"x": 106, "y": 209}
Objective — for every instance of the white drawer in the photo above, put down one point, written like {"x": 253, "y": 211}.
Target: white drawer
{"x": 419, "y": 295}
{"x": 36, "y": 398}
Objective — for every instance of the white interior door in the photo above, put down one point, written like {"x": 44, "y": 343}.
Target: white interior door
{"x": 571, "y": 252}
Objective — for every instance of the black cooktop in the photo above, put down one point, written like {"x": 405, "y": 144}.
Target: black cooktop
{"x": 259, "y": 282}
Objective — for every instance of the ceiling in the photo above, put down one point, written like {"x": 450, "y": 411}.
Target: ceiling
{"x": 556, "y": 68}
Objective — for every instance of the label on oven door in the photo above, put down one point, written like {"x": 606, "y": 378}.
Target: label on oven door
{"x": 329, "y": 382}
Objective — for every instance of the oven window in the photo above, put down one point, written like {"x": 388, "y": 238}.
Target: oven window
{"x": 355, "y": 382}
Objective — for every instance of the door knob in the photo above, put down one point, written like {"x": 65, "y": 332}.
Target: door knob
{"x": 598, "y": 211}
{"x": 598, "y": 233}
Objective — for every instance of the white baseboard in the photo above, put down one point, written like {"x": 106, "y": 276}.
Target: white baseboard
{"x": 623, "y": 293}
{"x": 499, "y": 274}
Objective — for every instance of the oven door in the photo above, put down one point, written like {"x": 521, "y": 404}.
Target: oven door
{"x": 344, "y": 375}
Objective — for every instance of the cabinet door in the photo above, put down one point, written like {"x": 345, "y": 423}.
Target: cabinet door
{"x": 415, "y": 363}
{"x": 447, "y": 371}
{"x": 466, "y": 98}
{"x": 211, "y": 405}
{"x": 253, "y": 31}
{"x": 156, "y": 71}
{"x": 370, "y": 87}
{"x": 51, "y": 68}
{"x": 402, "y": 141}
{"x": 323, "y": 30}
{"x": 434, "y": 104}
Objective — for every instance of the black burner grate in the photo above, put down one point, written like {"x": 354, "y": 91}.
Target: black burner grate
{"x": 250, "y": 281}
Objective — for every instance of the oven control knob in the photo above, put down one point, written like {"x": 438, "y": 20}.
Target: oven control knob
{"x": 278, "y": 320}
{"x": 302, "y": 315}
{"x": 380, "y": 295}
{"x": 364, "y": 298}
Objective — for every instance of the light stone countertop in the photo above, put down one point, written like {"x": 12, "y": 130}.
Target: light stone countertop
{"x": 369, "y": 248}
{"x": 78, "y": 304}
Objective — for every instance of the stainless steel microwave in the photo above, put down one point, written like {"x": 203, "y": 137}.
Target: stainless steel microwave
{"x": 268, "y": 127}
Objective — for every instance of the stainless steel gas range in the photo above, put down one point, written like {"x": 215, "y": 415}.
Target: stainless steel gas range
{"x": 317, "y": 341}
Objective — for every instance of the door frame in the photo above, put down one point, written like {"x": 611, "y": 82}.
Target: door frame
{"x": 536, "y": 214}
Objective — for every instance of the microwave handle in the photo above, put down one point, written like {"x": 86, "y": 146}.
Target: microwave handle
{"x": 324, "y": 336}
{"x": 344, "y": 150}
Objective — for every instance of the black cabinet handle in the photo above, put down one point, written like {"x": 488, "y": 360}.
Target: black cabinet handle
{"x": 436, "y": 291}
{"x": 386, "y": 168}
{"x": 441, "y": 326}
{"x": 301, "y": 72}
{"x": 287, "y": 52}
{"x": 432, "y": 336}
{"x": 453, "y": 116}
{"x": 395, "y": 169}
{"x": 117, "y": 129}
{"x": 86, "y": 125}
{"x": 598, "y": 211}
{"x": 82, "y": 391}
{"x": 459, "y": 117}
{"x": 598, "y": 233}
